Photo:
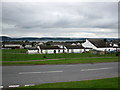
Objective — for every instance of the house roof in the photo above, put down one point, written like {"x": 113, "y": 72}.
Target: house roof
{"x": 74, "y": 47}
{"x": 87, "y": 48}
{"x": 100, "y": 43}
{"x": 34, "y": 48}
{"x": 47, "y": 47}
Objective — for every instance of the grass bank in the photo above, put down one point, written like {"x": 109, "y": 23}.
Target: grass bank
{"x": 20, "y": 55}
{"x": 98, "y": 83}
{"x": 63, "y": 61}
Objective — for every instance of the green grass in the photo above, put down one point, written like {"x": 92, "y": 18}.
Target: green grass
{"x": 63, "y": 61}
{"x": 19, "y": 55}
{"x": 98, "y": 83}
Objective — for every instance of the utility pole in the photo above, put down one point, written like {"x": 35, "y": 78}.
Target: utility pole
{"x": 105, "y": 40}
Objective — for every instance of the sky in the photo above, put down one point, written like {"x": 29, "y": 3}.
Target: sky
{"x": 60, "y": 19}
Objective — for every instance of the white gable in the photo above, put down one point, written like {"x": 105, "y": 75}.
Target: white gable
{"x": 88, "y": 45}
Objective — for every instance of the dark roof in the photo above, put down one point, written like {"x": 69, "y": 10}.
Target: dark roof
{"x": 116, "y": 46}
{"x": 12, "y": 47}
{"x": 87, "y": 48}
{"x": 116, "y": 42}
{"x": 100, "y": 43}
{"x": 32, "y": 48}
{"x": 49, "y": 47}
{"x": 74, "y": 47}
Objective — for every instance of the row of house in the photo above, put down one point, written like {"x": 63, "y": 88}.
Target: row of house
{"x": 66, "y": 47}
{"x": 43, "y": 49}
{"x": 96, "y": 44}
{"x": 17, "y": 44}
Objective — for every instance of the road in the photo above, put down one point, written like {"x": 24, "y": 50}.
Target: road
{"x": 15, "y": 76}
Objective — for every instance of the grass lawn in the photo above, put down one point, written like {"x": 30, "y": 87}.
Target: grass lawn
{"x": 98, "y": 83}
{"x": 19, "y": 57}
{"x": 63, "y": 61}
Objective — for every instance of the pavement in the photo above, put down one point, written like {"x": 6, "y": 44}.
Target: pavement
{"x": 17, "y": 76}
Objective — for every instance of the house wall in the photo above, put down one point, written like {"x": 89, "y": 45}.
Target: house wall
{"x": 76, "y": 50}
{"x": 28, "y": 46}
{"x": 10, "y": 45}
{"x": 87, "y": 49}
{"x": 61, "y": 48}
{"x": 107, "y": 49}
{"x": 61, "y": 51}
{"x": 51, "y": 51}
{"x": 32, "y": 51}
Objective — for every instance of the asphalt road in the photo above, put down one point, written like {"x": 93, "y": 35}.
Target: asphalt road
{"x": 15, "y": 76}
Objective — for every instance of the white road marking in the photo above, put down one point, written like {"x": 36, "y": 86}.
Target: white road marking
{"x": 14, "y": 86}
{"x": 39, "y": 72}
{"x": 96, "y": 69}
{"x": 29, "y": 85}
{"x": 1, "y": 86}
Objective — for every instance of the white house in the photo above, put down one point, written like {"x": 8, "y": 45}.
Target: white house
{"x": 49, "y": 49}
{"x": 12, "y": 46}
{"x": 98, "y": 44}
{"x": 32, "y": 51}
{"x": 74, "y": 49}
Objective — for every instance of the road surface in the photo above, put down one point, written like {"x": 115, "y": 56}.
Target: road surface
{"x": 16, "y": 76}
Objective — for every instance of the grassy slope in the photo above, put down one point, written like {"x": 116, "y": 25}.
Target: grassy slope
{"x": 99, "y": 83}
{"x": 19, "y": 55}
{"x": 64, "y": 61}
{"x": 64, "y": 58}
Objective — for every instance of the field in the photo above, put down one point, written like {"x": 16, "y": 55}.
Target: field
{"x": 19, "y": 56}
{"x": 98, "y": 83}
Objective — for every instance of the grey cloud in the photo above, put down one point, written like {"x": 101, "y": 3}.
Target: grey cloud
{"x": 42, "y": 17}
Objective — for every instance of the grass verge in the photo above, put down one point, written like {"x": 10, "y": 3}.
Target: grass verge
{"x": 20, "y": 55}
{"x": 98, "y": 83}
{"x": 63, "y": 61}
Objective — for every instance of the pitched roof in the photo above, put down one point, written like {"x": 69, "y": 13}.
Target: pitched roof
{"x": 33, "y": 48}
{"x": 100, "y": 43}
{"x": 49, "y": 47}
{"x": 74, "y": 47}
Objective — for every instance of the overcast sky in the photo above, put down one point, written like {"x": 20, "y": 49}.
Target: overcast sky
{"x": 63, "y": 19}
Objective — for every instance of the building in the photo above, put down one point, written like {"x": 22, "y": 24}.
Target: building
{"x": 11, "y": 45}
{"x": 98, "y": 44}
{"x": 48, "y": 49}
{"x": 74, "y": 49}
{"x": 32, "y": 50}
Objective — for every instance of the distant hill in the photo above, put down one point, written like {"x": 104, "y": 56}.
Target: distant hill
{"x": 5, "y": 38}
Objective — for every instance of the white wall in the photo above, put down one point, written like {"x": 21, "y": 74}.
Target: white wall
{"x": 32, "y": 51}
{"x": 88, "y": 45}
{"x": 76, "y": 50}
{"x": 87, "y": 49}
{"x": 51, "y": 51}
{"x": 47, "y": 51}
{"x": 103, "y": 49}
{"x": 28, "y": 46}
{"x": 9, "y": 45}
